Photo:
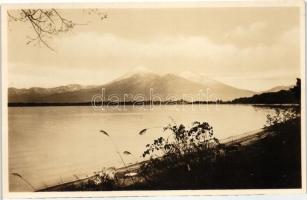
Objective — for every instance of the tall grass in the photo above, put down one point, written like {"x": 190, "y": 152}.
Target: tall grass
{"x": 24, "y": 179}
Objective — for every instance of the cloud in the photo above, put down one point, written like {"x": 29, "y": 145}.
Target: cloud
{"x": 254, "y": 34}
{"x": 107, "y": 56}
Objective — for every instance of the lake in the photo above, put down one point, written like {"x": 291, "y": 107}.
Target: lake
{"x": 52, "y": 145}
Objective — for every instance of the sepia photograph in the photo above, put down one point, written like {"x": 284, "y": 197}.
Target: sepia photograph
{"x": 135, "y": 98}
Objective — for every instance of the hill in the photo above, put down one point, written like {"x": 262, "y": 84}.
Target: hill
{"x": 290, "y": 96}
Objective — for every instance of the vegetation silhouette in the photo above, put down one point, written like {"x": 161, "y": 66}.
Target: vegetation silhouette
{"x": 291, "y": 96}
{"x": 47, "y": 23}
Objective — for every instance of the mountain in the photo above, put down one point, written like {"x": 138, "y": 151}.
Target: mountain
{"x": 47, "y": 91}
{"x": 200, "y": 78}
{"x": 222, "y": 90}
{"x": 278, "y": 88}
{"x": 141, "y": 71}
{"x": 141, "y": 85}
{"x": 39, "y": 94}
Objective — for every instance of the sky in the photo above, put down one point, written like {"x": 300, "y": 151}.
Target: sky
{"x": 254, "y": 48}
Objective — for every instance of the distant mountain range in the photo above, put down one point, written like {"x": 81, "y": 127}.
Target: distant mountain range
{"x": 140, "y": 85}
{"x": 277, "y": 89}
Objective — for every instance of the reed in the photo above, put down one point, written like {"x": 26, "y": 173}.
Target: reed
{"x": 24, "y": 179}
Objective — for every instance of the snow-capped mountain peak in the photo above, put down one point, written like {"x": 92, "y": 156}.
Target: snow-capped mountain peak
{"x": 199, "y": 78}
{"x": 140, "y": 71}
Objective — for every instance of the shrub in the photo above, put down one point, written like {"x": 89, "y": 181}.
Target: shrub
{"x": 180, "y": 155}
{"x": 280, "y": 116}
{"x": 101, "y": 181}
{"x": 183, "y": 141}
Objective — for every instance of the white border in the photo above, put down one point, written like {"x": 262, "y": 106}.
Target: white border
{"x": 112, "y": 4}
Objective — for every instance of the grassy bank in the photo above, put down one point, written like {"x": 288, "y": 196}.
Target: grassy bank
{"x": 270, "y": 162}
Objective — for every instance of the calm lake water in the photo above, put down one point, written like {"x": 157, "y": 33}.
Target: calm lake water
{"x": 51, "y": 145}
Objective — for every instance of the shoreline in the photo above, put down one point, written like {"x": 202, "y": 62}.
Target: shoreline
{"x": 20, "y": 105}
{"x": 122, "y": 172}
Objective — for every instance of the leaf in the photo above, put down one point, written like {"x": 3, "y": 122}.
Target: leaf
{"x": 111, "y": 168}
{"x": 16, "y": 174}
{"x": 216, "y": 140}
{"x": 196, "y": 123}
{"x": 126, "y": 153}
{"x": 103, "y": 132}
{"x": 142, "y": 132}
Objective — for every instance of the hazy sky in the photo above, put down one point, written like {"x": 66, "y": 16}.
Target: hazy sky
{"x": 250, "y": 48}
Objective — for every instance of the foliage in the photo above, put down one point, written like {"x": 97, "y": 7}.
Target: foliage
{"x": 280, "y": 116}
{"x": 102, "y": 181}
{"x": 269, "y": 162}
{"x": 47, "y": 23}
{"x": 183, "y": 141}
{"x": 185, "y": 151}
